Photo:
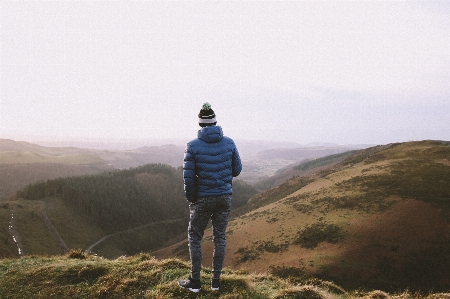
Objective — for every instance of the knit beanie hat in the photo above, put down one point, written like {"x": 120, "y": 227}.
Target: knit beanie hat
{"x": 206, "y": 117}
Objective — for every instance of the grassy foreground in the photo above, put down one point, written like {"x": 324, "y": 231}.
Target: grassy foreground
{"x": 76, "y": 275}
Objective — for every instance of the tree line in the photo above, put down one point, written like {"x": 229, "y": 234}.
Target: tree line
{"x": 119, "y": 199}
{"x": 123, "y": 199}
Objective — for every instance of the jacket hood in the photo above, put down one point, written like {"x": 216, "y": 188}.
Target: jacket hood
{"x": 210, "y": 134}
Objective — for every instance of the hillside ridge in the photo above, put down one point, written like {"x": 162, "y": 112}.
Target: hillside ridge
{"x": 379, "y": 218}
{"x": 76, "y": 275}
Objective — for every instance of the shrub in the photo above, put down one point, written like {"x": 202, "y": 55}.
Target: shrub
{"x": 247, "y": 254}
{"x": 304, "y": 208}
{"x": 76, "y": 254}
{"x": 270, "y": 246}
{"x": 312, "y": 235}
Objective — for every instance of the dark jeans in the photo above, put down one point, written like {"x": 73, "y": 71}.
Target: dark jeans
{"x": 217, "y": 209}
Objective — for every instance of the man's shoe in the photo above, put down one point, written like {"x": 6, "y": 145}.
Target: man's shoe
{"x": 192, "y": 285}
{"x": 215, "y": 284}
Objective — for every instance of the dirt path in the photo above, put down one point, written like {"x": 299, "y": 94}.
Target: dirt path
{"x": 53, "y": 229}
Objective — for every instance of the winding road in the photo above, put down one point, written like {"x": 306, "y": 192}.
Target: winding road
{"x": 89, "y": 249}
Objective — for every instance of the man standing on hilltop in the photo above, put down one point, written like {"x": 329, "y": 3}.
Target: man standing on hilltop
{"x": 210, "y": 163}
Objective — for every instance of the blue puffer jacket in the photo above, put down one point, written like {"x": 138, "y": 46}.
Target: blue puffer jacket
{"x": 210, "y": 163}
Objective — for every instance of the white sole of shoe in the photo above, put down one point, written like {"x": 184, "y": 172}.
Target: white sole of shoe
{"x": 214, "y": 289}
{"x": 190, "y": 289}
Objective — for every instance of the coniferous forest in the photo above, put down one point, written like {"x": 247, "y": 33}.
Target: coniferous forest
{"x": 124, "y": 199}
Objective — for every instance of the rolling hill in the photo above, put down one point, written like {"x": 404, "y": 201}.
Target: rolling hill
{"x": 308, "y": 166}
{"x": 22, "y": 163}
{"x": 378, "y": 219}
{"x": 263, "y": 165}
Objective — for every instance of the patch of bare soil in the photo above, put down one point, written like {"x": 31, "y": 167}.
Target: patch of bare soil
{"x": 408, "y": 224}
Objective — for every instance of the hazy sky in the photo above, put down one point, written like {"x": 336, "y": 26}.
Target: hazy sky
{"x": 304, "y": 71}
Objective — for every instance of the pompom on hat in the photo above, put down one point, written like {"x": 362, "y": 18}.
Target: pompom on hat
{"x": 206, "y": 117}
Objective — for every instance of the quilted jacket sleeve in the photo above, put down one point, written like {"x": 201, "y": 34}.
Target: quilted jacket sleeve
{"x": 189, "y": 175}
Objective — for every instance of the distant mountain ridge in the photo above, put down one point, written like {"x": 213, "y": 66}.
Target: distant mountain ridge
{"x": 264, "y": 163}
{"x": 307, "y": 167}
{"x": 22, "y": 162}
{"x": 301, "y": 153}
{"x": 166, "y": 154}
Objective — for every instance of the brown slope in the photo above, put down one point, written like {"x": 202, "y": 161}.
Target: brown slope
{"x": 389, "y": 205}
{"x": 407, "y": 245}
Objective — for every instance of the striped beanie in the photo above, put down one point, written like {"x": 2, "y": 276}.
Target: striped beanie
{"x": 206, "y": 117}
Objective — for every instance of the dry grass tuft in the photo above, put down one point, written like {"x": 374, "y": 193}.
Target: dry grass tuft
{"x": 377, "y": 295}
{"x": 303, "y": 292}
{"x": 76, "y": 254}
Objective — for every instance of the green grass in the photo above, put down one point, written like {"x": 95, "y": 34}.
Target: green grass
{"x": 76, "y": 275}
{"x": 34, "y": 234}
{"x": 36, "y": 237}
{"x": 7, "y": 245}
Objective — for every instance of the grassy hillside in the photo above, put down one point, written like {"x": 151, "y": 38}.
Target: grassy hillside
{"x": 121, "y": 208}
{"x": 40, "y": 225}
{"x": 142, "y": 276}
{"x": 379, "y": 219}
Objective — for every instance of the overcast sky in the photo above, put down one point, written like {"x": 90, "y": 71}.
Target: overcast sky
{"x": 305, "y": 71}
